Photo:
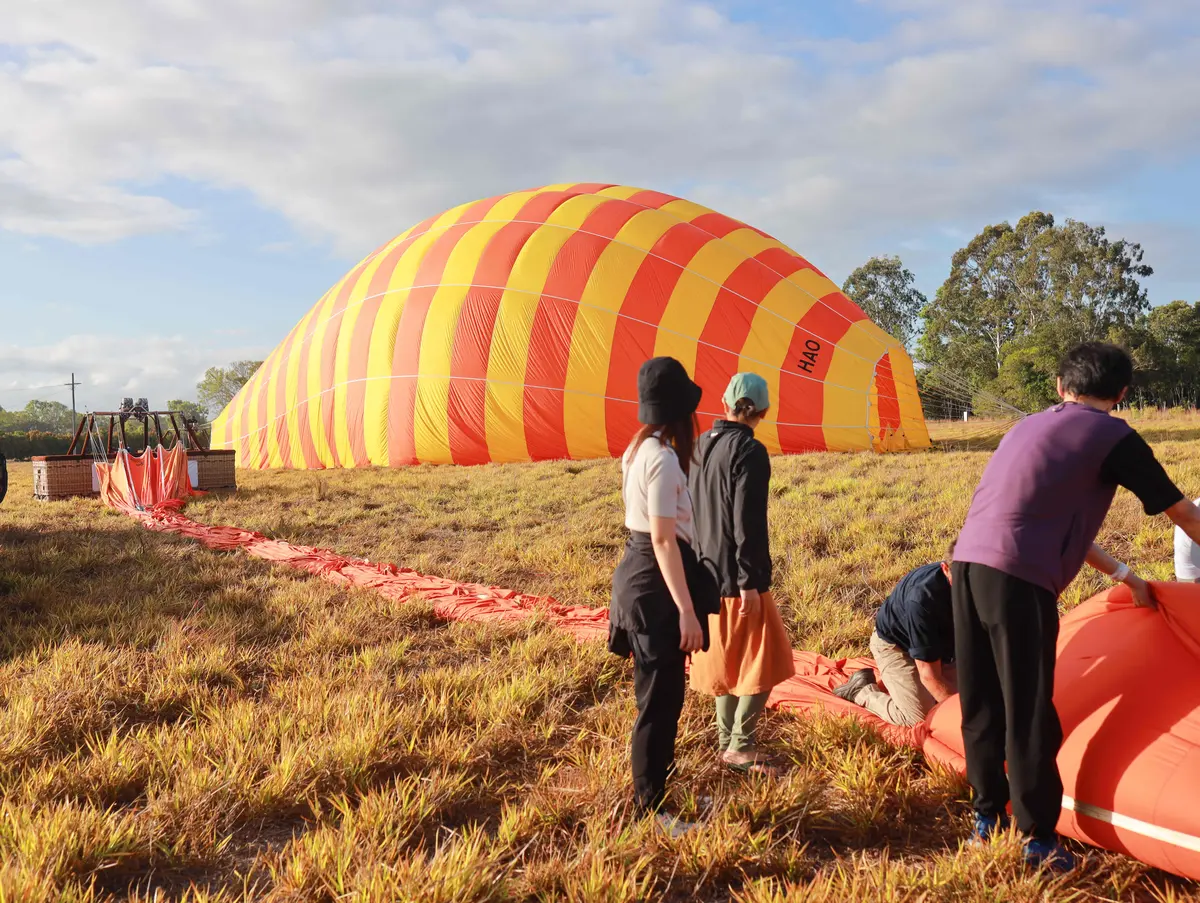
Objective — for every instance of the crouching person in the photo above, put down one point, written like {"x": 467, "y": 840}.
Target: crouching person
{"x": 913, "y": 647}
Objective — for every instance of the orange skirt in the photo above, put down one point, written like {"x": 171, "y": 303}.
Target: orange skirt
{"x": 746, "y": 655}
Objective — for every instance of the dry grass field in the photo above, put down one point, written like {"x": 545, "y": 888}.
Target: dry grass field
{"x": 179, "y": 724}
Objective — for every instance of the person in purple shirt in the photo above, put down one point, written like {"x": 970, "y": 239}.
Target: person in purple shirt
{"x": 1030, "y": 528}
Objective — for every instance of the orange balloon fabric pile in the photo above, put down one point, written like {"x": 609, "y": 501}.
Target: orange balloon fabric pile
{"x": 1127, "y": 689}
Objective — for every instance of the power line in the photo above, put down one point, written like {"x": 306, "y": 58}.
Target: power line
{"x": 39, "y": 388}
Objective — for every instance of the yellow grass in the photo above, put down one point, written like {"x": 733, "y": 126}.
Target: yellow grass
{"x": 182, "y": 724}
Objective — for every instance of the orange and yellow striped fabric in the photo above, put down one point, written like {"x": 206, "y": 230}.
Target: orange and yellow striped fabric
{"x": 512, "y": 329}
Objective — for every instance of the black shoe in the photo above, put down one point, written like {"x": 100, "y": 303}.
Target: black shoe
{"x": 859, "y": 679}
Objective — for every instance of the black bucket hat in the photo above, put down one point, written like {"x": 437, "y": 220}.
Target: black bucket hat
{"x": 666, "y": 394}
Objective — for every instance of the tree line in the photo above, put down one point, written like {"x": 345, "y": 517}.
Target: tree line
{"x": 1018, "y": 297}
{"x": 46, "y": 427}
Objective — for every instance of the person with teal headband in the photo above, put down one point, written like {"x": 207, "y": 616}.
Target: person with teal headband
{"x": 749, "y": 651}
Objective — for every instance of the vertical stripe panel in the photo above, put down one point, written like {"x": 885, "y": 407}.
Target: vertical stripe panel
{"x": 848, "y": 381}
{"x": 279, "y": 450}
{"x": 591, "y": 350}
{"x": 508, "y": 357}
{"x": 382, "y": 343}
{"x": 431, "y": 416}
{"x": 299, "y": 438}
{"x": 550, "y": 342}
{"x": 370, "y": 432}
{"x": 473, "y": 337}
{"x": 692, "y": 301}
{"x": 766, "y": 351}
{"x": 728, "y": 327}
{"x": 636, "y": 330}
{"x": 348, "y": 421}
{"x": 331, "y": 410}
{"x": 406, "y": 360}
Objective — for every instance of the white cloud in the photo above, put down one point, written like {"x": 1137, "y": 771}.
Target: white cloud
{"x": 110, "y": 367}
{"x": 356, "y": 119}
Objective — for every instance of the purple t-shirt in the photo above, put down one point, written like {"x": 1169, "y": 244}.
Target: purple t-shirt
{"x": 1043, "y": 496}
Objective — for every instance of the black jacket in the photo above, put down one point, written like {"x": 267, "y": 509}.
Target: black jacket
{"x": 730, "y": 482}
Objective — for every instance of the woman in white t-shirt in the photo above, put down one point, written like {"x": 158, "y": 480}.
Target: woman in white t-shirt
{"x": 661, "y": 595}
{"x": 1187, "y": 557}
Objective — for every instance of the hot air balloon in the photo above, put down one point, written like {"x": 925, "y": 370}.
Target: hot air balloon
{"x": 512, "y": 329}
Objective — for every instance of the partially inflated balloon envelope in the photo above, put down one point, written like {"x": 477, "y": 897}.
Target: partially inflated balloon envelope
{"x": 512, "y": 329}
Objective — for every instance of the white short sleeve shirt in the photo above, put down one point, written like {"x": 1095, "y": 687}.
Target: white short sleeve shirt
{"x": 654, "y": 485}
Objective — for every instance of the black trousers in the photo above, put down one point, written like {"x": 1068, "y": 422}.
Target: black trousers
{"x": 1005, "y": 631}
{"x": 659, "y": 681}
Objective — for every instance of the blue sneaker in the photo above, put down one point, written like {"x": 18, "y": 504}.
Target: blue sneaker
{"x": 1049, "y": 853}
{"x": 987, "y": 826}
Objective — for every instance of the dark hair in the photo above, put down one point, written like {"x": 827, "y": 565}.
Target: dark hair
{"x": 746, "y": 408}
{"x": 1096, "y": 369}
{"x": 949, "y": 556}
{"x": 680, "y": 435}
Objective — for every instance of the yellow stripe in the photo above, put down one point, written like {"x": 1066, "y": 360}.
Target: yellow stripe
{"x": 383, "y": 347}
{"x": 766, "y": 348}
{"x": 437, "y": 343}
{"x": 295, "y": 389}
{"x": 685, "y": 211}
{"x": 219, "y": 436}
{"x": 509, "y": 352}
{"x": 912, "y": 417}
{"x": 847, "y": 388}
{"x": 595, "y": 323}
{"x": 692, "y": 301}
{"x": 254, "y": 438}
{"x": 275, "y": 362}
{"x": 341, "y": 360}
{"x": 619, "y": 192}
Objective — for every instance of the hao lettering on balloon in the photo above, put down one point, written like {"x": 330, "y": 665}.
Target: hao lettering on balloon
{"x": 809, "y": 356}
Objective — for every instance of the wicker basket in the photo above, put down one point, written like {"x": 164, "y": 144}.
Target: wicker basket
{"x": 62, "y": 477}
{"x": 214, "y": 469}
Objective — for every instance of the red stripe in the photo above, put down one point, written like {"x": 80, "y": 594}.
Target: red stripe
{"x": 477, "y": 323}
{"x": 553, "y": 323}
{"x": 802, "y": 379}
{"x": 360, "y": 343}
{"x": 728, "y": 326}
{"x": 844, "y": 306}
{"x": 637, "y": 326}
{"x": 782, "y": 261}
{"x": 885, "y": 387}
{"x": 651, "y": 199}
{"x": 718, "y": 225}
{"x": 406, "y": 360}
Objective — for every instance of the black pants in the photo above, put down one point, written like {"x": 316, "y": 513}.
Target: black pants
{"x": 658, "y": 682}
{"x": 1005, "y": 631}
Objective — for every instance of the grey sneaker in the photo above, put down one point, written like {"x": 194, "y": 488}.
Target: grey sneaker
{"x": 864, "y": 677}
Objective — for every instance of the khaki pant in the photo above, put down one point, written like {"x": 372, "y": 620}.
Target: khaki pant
{"x": 906, "y": 701}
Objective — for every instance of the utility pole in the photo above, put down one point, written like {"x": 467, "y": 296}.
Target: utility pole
{"x": 74, "y": 416}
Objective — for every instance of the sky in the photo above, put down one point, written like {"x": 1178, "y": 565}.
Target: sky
{"x": 181, "y": 180}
